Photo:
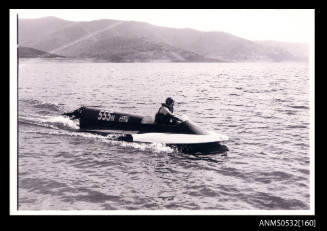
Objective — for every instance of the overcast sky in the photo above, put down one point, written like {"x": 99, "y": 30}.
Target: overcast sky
{"x": 280, "y": 25}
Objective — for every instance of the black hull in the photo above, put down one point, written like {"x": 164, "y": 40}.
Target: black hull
{"x": 95, "y": 119}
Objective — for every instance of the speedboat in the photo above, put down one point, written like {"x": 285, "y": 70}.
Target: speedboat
{"x": 135, "y": 128}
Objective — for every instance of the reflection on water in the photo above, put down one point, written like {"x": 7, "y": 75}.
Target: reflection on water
{"x": 206, "y": 148}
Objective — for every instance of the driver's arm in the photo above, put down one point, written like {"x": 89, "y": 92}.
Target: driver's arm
{"x": 165, "y": 111}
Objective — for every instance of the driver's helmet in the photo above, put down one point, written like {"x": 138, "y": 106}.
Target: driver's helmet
{"x": 170, "y": 101}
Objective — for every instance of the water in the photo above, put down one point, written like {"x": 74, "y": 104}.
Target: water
{"x": 262, "y": 107}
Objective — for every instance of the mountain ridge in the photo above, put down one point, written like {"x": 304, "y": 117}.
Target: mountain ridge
{"x": 75, "y": 39}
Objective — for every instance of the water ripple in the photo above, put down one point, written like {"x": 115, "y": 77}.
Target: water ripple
{"x": 262, "y": 107}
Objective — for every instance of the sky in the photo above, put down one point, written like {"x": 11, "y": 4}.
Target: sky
{"x": 285, "y": 25}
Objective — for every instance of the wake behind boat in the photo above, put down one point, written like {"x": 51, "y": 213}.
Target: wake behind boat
{"x": 135, "y": 128}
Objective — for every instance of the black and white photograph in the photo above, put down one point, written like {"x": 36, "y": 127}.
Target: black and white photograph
{"x": 162, "y": 111}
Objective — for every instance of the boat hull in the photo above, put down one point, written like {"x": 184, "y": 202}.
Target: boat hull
{"x": 136, "y": 128}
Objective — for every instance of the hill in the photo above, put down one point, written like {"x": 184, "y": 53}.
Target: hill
{"x": 125, "y": 41}
{"x": 27, "y": 52}
{"x": 300, "y": 51}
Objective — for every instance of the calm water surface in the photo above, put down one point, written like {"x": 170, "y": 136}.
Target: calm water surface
{"x": 262, "y": 107}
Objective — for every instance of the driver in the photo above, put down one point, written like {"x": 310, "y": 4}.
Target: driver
{"x": 165, "y": 113}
